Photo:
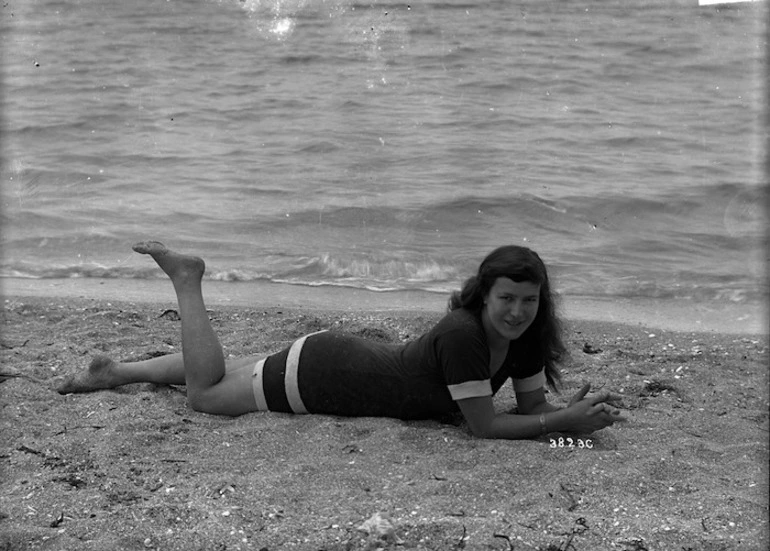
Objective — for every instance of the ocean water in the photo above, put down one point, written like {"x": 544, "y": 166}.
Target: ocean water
{"x": 388, "y": 145}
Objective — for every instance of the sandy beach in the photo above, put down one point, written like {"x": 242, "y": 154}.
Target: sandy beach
{"x": 135, "y": 468}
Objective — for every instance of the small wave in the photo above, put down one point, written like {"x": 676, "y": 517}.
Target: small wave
{"x": 392, "y": 275}
{"x": 237, "y": 275}
{"x": 78, "y": 271}
{"x": 447, "y": 214}
{"x": 386, "y": 272}
{"x": 326, "y": 269}
{"x": 360, "y": 284}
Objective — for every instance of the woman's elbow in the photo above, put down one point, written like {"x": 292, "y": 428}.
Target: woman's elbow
{"x": 482, "y": 430}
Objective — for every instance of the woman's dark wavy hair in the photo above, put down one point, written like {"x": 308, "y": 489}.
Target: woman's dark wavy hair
{"x": 541, "y": 345}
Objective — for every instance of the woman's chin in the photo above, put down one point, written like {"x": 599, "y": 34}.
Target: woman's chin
{"x": 513, "y": 332}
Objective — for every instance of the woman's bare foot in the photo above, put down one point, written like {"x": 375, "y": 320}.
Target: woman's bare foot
{"x": 180, "y": 268}
{"x": 99, "y": 375}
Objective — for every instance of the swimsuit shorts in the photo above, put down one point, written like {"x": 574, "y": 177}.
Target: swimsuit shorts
{"x": 340, "y": 374}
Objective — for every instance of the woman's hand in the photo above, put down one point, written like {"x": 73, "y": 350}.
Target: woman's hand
{"x": 587, "y": 415}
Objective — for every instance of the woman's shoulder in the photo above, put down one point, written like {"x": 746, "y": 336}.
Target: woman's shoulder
{"x": 461, "y": 320}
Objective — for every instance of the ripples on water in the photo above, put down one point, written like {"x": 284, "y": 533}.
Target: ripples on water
{"x": 389, "y": 146}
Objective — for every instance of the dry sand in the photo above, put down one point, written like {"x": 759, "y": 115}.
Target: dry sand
{"x": 135, "y": 468}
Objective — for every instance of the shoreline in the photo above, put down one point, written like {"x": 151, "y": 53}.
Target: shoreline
{"x": 662, "y": 314}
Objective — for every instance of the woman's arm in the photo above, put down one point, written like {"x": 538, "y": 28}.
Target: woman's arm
{"x": 534, "y": 402}
{"x": 484, "y": 422}
{"x": 582, "y": 415}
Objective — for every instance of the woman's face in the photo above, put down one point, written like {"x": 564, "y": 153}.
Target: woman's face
{"x": 509, "y": 309}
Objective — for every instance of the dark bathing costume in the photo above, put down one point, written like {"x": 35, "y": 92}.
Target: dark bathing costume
{"x": 340, "y": 374}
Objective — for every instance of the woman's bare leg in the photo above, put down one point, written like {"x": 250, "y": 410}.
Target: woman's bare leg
{"x": 211, "y": 386}
{"x": 208, "y": 387}
{"x": 105, "y": 373}
{"x": 204, "y": 362}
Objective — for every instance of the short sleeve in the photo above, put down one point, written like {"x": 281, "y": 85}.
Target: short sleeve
{"x": 470, "y": 389}
{"x": 464, "y": 359}
{"x": 529, "y": 384}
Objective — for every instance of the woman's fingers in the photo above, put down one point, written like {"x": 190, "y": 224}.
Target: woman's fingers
{"x": 605, "y": 397}
{"x": 618, "y": 418}
{"x": 580, "y": 394}
{"x": 596, "y": 409}
{"x": 612, "y": 414}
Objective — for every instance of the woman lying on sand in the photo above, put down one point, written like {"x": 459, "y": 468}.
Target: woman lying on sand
{"x": 501, "y": 325}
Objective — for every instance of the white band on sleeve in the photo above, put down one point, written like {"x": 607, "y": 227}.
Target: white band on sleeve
{"x": 471, "y": 389}
{"x": 529, "y": 384}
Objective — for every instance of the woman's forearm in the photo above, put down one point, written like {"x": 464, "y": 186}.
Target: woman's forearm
{"x": 510, "y": 426}
{"x": 542, "y": 407}
{"x": 514, "y": 427}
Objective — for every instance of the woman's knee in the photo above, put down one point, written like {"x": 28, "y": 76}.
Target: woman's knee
{"x": 201, "y": 401}
{"x": 229, "y": 397}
